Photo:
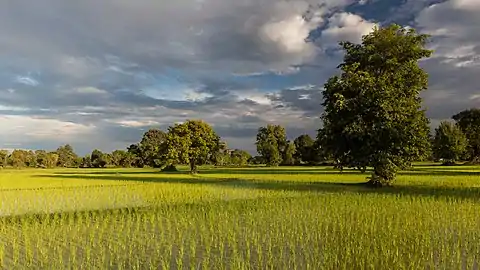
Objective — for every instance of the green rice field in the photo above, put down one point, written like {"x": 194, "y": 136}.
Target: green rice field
{"x": 249, "y": 218}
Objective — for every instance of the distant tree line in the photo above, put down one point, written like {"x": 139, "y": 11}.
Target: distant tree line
{"x": 452, "y": 142}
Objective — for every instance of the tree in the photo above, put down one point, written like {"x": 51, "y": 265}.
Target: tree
{"x": 17, "y": 158}
{"x": 86, "y": 162}
{"x": 117, "y": 158}
{"x": 136, "y": 154}
{"x": 449, "y": 143}
{"x": 289, "y": 154}
{"x": 128, "y": 160}
{"x": 41, "y": 157}
{"x": 256, "y": 160}
{"x": 30, "y": 159}
{"x": 239, "y": 157}
{"x": 4, "y": 158}
{"x": 271, "y": 144}
{"x": 305, "y": 151}
{"x": 51, "y": 160}
{"x": 469, "y": 122}
{"x": 373, "y": 114}
{"x": 98, "y": 159}
{"x": 151, "y": 147}
{"x": 220, "y": 154}
{"x": 66, "y": 156}
{"x": 192, "y": 142}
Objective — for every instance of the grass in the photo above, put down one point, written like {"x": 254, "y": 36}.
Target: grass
{"x": 249, "y": 218}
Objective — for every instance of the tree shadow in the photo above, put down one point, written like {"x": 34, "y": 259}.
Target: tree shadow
{"x": 472, "y": 193}
{"x": 149, "y": 172}
{"x": 454, "y": 171}
{"x": 440, "y": 171}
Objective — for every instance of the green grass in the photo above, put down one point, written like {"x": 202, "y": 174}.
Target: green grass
{"x": 251, "y": 218}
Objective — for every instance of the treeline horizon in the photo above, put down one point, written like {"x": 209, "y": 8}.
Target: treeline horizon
{"x": 451, "y": 142}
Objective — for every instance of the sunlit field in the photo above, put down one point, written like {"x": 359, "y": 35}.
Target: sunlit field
{"x": 250, "y": 218}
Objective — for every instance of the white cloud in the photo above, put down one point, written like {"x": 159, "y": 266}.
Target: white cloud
{"x": 26, "y": 128}
{"x": 470, "y": 5}
{"x": 291, "y": 34}
{"x": 475, "y": 97}
{"x": 26, "y": 80}
{"x": 345, "y": 26}
{"x": 88, "y": 90}
{"x": 136, "y": 123}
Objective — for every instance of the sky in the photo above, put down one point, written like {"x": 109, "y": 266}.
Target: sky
{"x": 98, "y": 74}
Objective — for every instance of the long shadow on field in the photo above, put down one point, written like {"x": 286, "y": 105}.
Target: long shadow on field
{"x": 326, "y": 171}
{"x": 324, "y": 187}
{"x": 443, "y": 171}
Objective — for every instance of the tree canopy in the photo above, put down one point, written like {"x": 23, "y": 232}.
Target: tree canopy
{"x": 305, "y": 149}
{"x": 271, "y": 144}
{"x": 373, "y": 114}
{"x": 192, "y": 142}
{"x": 449, "y": 143}
{"x": 66, "y": 156}
{"x": 469, "y": 122}
{"x": 152, "y": 146}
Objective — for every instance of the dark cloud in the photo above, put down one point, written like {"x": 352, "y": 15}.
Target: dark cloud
{"x": 306, "y": 99}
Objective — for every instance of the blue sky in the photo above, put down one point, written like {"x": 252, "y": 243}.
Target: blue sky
{"x": 99, "y": 74}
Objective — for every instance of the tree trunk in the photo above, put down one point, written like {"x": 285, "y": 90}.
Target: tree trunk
{"x": 382, "y": 176}
{"x": 193, "y": 167}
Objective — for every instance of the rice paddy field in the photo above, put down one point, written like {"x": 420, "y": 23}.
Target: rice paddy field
{"x": 250, "y": 218}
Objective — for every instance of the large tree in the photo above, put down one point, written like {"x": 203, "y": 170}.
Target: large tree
{"x": 469, "y": 122}
{"x": 136, "y": 155}
{"x": 152, "y": 146}
{"x": 192, "y": 142}
{"x": 271, "y": 144}
{"x": 18, "y": 158}
{"x": 449, "y": 143}
{"x": 66, "y": 156}
{"x": 4, "y": 158}
{"x": 289, "y": 154}
{"x": 305, "y": 149}
{"x": 51, "y": 160}
{"x": 373, "y": 112}
{"x": 117, "y": 158}
{"x": 98, "y": 159}
{"x": 239, "y": 157}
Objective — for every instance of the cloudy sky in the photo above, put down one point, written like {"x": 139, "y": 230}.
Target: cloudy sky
{"x": 97, "y": 74}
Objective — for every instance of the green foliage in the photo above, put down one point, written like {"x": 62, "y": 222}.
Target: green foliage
{"x": 192, "y": 142}
{"x": 256, "y": 160}
{"x": 86, "y": 162}
{"x": 239, "y": 158}
{"x": 373, "y": 114}
{"x": 136, "y": 154}
{"x": 469, "y": 122}
{"x": 271, "y": 143}
{"x": 305, "y": 149}
{"x": 289, "y": 154}
{"x": 98, "y": 159}
{"x": 220, "y": 155}
{"x": 449, "y": 143}
{"x": 117, "y": 157}
{"x": 4, "y": 158}
{"x": 18, "y": 158}
{"x": 152, "y": 148}
{"x": 51, "y": 160}
{"x": 66, "y": 156}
